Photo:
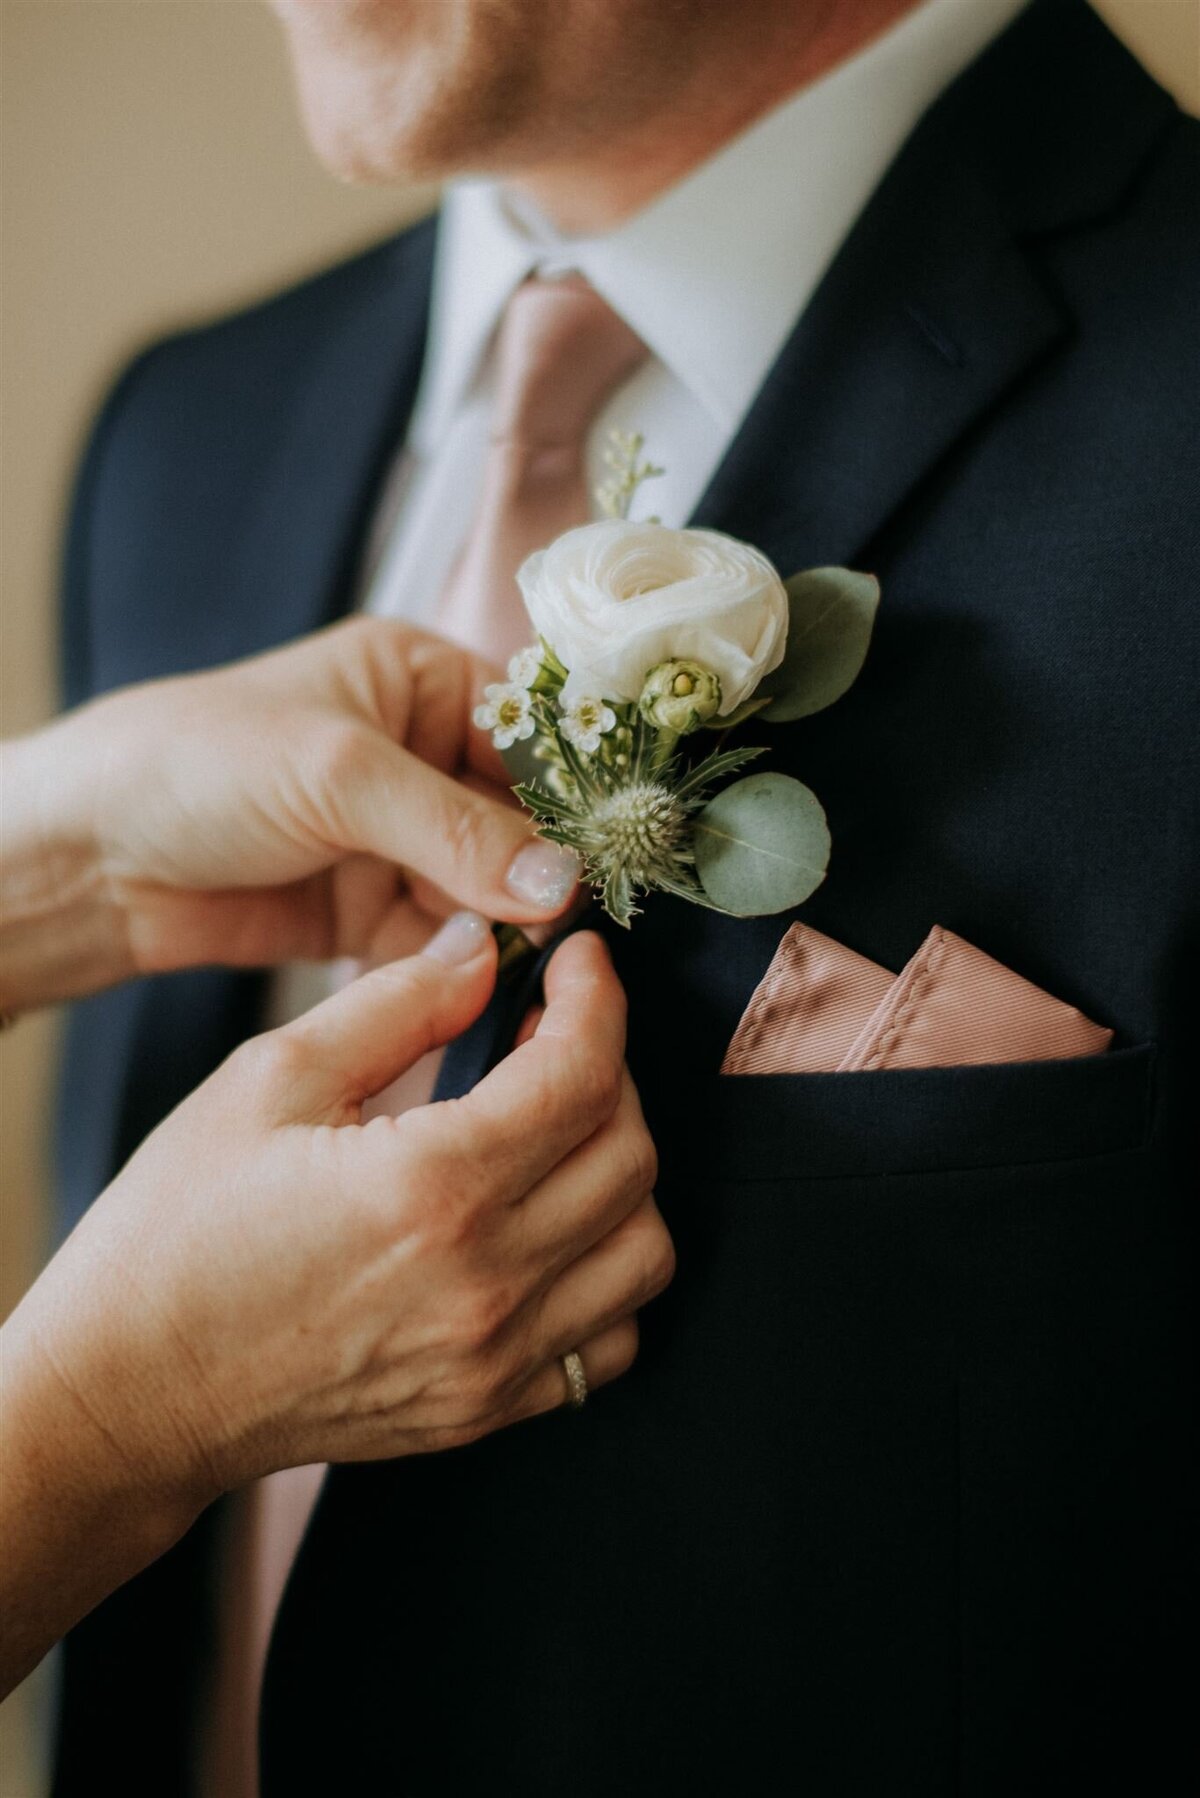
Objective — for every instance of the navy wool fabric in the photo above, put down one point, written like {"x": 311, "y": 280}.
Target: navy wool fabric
{"x": 894, "y": 1500}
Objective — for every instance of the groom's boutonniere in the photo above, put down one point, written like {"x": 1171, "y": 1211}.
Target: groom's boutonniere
{"x": 649, "y": 641}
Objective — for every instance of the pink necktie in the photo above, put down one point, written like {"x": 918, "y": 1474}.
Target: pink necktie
{"x": 560, "y": 352}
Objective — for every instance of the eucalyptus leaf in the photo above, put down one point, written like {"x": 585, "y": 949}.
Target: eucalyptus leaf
{"x": 761, "y": 846}
{"x": 832, "y": 613}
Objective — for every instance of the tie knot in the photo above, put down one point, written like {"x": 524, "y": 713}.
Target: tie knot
{"x": 561, "y": 351}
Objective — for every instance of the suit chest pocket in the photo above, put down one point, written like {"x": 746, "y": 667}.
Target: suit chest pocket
{"x": 768, "y": 1127}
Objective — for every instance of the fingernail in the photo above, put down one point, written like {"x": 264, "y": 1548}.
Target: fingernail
{"x": 460, "y": 939}
{"x": 544, "y": 874}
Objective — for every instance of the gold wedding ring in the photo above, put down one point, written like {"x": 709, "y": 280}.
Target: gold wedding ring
{"x": 577, "y": 1386}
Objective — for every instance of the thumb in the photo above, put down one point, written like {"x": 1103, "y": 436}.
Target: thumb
{"x": 476, "y": 849}
{"x": 361, "y": 1039}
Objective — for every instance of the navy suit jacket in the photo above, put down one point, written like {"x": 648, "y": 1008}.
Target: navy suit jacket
{"x": 894, "y": 1499}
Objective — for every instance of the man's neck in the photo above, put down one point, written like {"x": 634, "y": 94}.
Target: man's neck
{"x": 592, "y": 191}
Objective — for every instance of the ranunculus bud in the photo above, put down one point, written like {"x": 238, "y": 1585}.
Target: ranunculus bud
{"x": 680, "y": 697}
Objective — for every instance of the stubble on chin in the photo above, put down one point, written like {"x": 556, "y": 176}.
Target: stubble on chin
{"x": 427, "y": 89}
{"x": 415, "y": 89}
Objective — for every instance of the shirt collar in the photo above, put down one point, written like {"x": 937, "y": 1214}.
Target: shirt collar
{"x": 713, "y": 274}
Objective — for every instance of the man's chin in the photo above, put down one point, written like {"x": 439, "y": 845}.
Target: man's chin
{"x": 409, "y": 157}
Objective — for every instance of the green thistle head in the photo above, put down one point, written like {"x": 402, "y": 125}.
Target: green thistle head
{"x": 641, "y": 828}
{"x": 634, "y": 839}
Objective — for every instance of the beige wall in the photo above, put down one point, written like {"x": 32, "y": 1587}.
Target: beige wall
{"x": 153, "y": 171}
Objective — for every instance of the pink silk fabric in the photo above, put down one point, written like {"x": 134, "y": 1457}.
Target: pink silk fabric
{"x": 820, "y": 1008}
{"x": 560, "y": 352}
{"x": 808, "y": 1009}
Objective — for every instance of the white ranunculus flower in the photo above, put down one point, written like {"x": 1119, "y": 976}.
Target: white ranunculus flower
{"x": 615, "y": 599}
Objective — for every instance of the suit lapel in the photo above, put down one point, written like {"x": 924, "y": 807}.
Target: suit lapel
{"x": 294, "y": 567}
{"x": 936, "y": 305}
{"x": 930, "y": 313}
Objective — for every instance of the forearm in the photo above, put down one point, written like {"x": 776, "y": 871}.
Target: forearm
{"x": 61, "y": 932}
{"x": 81, "y": 1511}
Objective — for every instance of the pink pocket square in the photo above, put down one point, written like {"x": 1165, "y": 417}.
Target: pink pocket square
{"x": 820, "y": 1008}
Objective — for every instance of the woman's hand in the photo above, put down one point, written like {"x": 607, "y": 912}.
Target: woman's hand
{"x": 272, "y": 1282}
{"x": 260, "y": 813}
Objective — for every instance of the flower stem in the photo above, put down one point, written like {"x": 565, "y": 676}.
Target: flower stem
{"x": 515, "y": 949}
{"x": 664, "y": 748}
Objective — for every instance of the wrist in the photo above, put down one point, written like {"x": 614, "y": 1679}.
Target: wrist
{"x": 84, "y": 1401}
{"x": 62, "y": 931}
{"x": 82, "y": 1510}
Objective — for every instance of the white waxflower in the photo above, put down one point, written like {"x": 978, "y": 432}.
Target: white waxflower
{"x": 585, "y": 721}
{"x": 507, "y": 712}
{"x": 616, "y": 600}
{"x": 525, "y": 666}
